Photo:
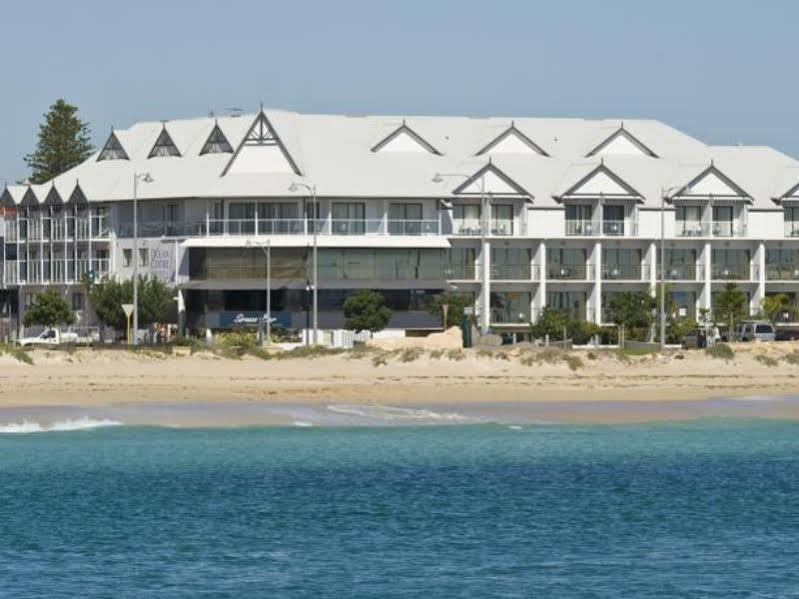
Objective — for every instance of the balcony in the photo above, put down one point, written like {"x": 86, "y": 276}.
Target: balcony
{"x": 470, "y": 227}
{"x": 460, "y": 272}
{"x": 570, "y": 272}
{"x": 501, "y": 227}
{"x": 683, "y": 272}
{"x": 782, "y": 272}
{"x": 577, "y": 228}
{"x": 45, "y": 272}
{"x": 514, "y": 272}
{"x": 624, "y": 272}
{"x": 729, "y": 229}
{"x": 734, "y": 273}
{"x": 688, "y": 228}
{"x": 299, "y": 226}
{"x": 791, "y": 228}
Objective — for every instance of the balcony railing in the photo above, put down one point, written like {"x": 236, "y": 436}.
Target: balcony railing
{"x": 625, "y": 272}
{"x": 335, "y": 226}
{"x": 581, "y": 228}
{"x": 729, "y": 229}
{"x": 791, "y": 228}
{"x": 502, "y": 227}
{"x": 683, "y": 272}
{"x": 467, "y": 226}
{"x": 782, "y": 272}
{"x": 34, "y": 271}
{"x": 162, "y": 229}
{"x": 56, "y": 229}
{"x": 570, "y": 272}
{"x": 734, "y": 273}
{"x": 460, "y": 272}
{"x": 689, "y": 228}
{"x": 514, "y": 272}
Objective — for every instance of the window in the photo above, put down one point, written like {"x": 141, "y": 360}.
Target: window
{"x": 509, "y": 307}
{"x": 164, "y": 146}
{"x": 730, "y": 264}
{"x": 144, "y": 256}
{"x": 126, "y": 256}
{"x": 612, "y": 219}
{"x": 680, "y": 264}
{"x": 722, "y": 214}
{"x": 466, "y": 219}
{"x": 578, "y": 212}
{"x": 405, "y": 219}
{"x": 578, "y": 220}
{"x": 278, "y": 217}
{"x": 30, "y": 299}
{"x": 348, "y": 218}
{"x": 242, "y": 218}
{"x": 511, "y": 263}
{"x": 502, "y": 221}
{"x": 217, "y": 143}
{"x": 620, "y": 263}
{"x": 566, "y": 263}
{"x": 112, "y": 150}
{"x": 689, "y": 221}
{"x": 572, "y": 302}
{"x": 78, "y": 301}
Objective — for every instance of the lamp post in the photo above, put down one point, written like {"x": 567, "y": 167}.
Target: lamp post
{"x": 312, "y": 189}
{"x": 144, "y": 178}
{"x": 438, "y": 178}
{"x": 267, "y": 249}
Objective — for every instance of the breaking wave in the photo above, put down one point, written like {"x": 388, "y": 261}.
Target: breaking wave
{"x": 76, "y": 424}
{"x": 394, "y": 413}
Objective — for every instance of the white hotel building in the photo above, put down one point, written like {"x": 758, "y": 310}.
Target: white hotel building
{"x": 519, "y": 213}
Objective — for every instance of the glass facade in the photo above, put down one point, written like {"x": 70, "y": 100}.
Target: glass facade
{"x": 566, "y": 263}
{"x": 680, "y": 265}
{"x": 730, "y": 264}
{"x": 621, "y": 264}
{"x": 509, "y": 307}
{"x": 782, "y": 264}
{"x": 511, "y": 263}
{"x": 572, "y": 302}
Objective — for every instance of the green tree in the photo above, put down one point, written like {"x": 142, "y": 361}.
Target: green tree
{"x": 729, "y": 305}
{"x": 631, "y": 310}
{"x": 49, "y": 309}
{"x": 107, "y": 297}
{"x": 366, "y": 310}
{"x": 550, "y": 322}
{"x": 457, "y": 302}
{"x": 774, "y": 305}
{"x": 63, "y": 142}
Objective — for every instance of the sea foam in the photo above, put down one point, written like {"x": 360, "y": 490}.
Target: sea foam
{"x": 76, "y": 424}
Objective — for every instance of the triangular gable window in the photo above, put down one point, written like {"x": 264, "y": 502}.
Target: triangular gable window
{"x": 112, "y": 150}
{"x": 29, "y": 199}
{"x": 53, "y": 197}
{"x": 164, "y": 146}
{"x": 217, "y": 143}
{"x": 512, "y": 141}
{"x": 602, "y": 182}
{"x": 77, "y": 197}
{"x": 791, "y": 194}
{"x": 6, "y": 199}
{"x": 623, "y": 143}
{"x": 712, "y": 183}
{"x": 404, "y": 139}
{"x": 490, "y": 180}
{"x": 261, "y": 151}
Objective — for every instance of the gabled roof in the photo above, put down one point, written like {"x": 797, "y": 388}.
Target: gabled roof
{"x": 600, "y": 181}
{"x": 53, "y": 198}
{"x": 404, "y": 139}
{"x": 512, "y": 141}
{"x": 490, "y": 180}
{"x": 77, "y": 197}
{"x": 112, "y": 150}
{"x": 261, "y": 151}
{"x": 29, "y": 200}
{"x": 711, "y": 183}
{"x": 216, "y": 143}
{"x": 621, "y": 141}
{"x": 6, "y": 199}
{"x": 164, "y": 146}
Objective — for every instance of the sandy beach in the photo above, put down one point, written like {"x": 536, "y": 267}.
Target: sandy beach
{"x": 604, "y": 387}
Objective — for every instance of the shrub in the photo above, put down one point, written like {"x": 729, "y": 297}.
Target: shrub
{"x": 591, "y": 356}
{"x": 721, "y": 351}
{"x": 380, "y": 359}
{"x": 456, "y": 355}
{"x": 436, "y": 354}
{"x": 573, "y": 362}
{"x": 485, "y": 353}
{"x": 766, "y": 360}
{"x": 16, "y": 352}
{"x": 792, "y": 358}
{"x": 410, "y": 354}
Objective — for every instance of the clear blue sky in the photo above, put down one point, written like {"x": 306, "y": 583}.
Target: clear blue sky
{"x": 723, "y": 71}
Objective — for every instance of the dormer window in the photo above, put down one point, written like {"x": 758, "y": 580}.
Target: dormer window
{"x": 112, "y": 150}
{"x": 164, "y": 146}
{"x": 217, "y": 143}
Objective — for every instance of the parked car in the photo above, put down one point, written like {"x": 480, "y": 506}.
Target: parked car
{"x": 56, "y": 337}
{"x": 758, "y": 331}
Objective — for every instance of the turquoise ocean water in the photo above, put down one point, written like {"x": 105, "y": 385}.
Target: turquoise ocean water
{"x": 696, "y": 509}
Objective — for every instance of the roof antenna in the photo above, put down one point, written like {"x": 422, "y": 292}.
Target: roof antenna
{"x": 621, "y": 126}
{"x": 211, "y": 113}
{"x": 262, "y": 105}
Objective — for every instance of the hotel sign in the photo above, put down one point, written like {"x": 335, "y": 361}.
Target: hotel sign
{"x": 252, "y": 319}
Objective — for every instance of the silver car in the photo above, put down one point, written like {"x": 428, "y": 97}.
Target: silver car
{"x": 757, "y": 331}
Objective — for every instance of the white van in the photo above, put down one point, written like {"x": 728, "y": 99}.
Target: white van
{"x": 757, "y": 331}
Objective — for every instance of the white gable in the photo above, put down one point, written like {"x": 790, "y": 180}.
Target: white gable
{"x": 403, "y": 142}
{"x": 260, "y": 159}
{"x": 712, "y": 184}
{"x": 600, "y": 183}
{"x": 512, "y": 143}
{"x": 493, "y": 184}
{"x": 621, "y": 145}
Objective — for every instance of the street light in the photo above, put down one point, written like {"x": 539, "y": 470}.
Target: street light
{"x": 438, "y": 178}
{"x": 267, "y": 249}
{"x": 144, "y": 178}
{"x": 295, "y": 185}
{"x": 665, "y": 191}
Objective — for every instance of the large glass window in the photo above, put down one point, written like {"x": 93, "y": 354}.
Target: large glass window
{"x": 242, "y": 218}
{"x": 502, "y": 219}
{"x": 578, "y": 220}
{"x": 572, "y": 302}
{"x": 680, "y": 265}
{"x": 349, "y": 218}
{"x": 279, "y": 217}
{"x": 722, "y": 221}
{"x": 460, "y": 263}
{"x": 508, "y": 307}
{"x": 621, "y": 263}
{"x": 730, "y": 264}
{"x": 511, "y": 263}
{"x": 782, "y": 264}
{"x": 612, "y": 219}
{"x": 566, "y": 263}
{"x": 405, "y": 219}
{"x": 689, "y": 221}
{"x": 466, "y": 219}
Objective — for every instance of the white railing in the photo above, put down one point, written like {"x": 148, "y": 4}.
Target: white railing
{"x": 576, "y": 227}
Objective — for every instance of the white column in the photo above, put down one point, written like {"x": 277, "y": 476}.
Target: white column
{"x": 596, "y": 316}
{"x": 654, "y": 271}
{"x": 485, "y": 287}
{"x": 761, "y": 275}
{"x": 708, "y": 257}
{"x": 542, "y": 274}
